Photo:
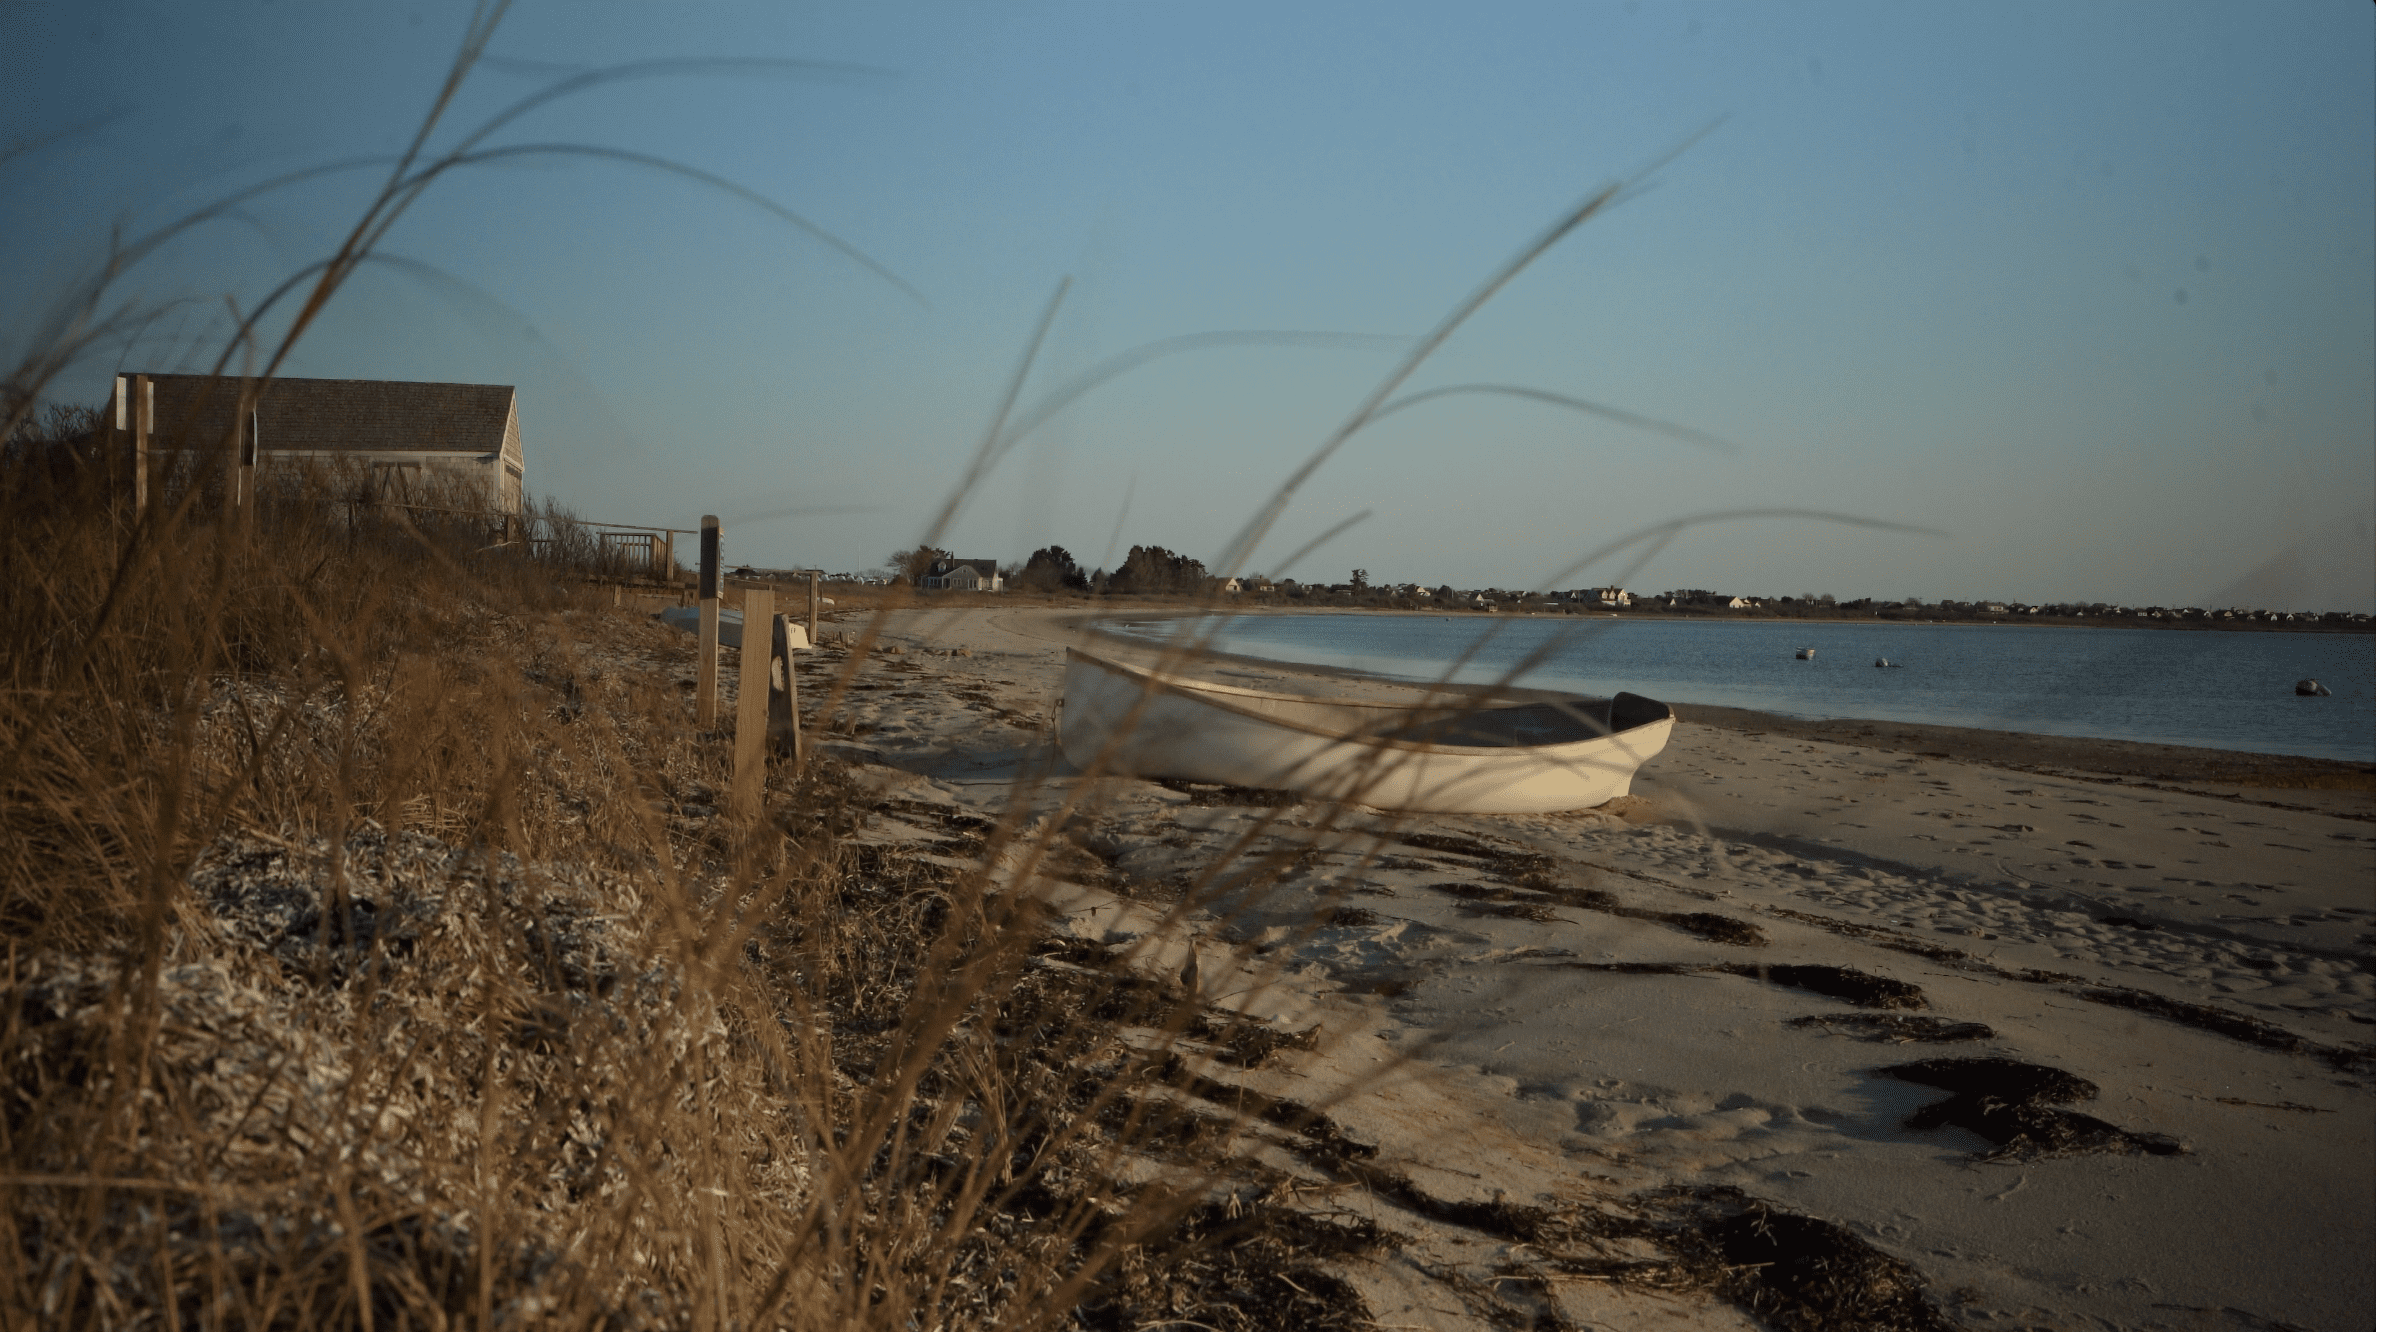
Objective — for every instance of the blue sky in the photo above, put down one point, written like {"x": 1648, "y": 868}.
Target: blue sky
{"x": 2088, "y": 288}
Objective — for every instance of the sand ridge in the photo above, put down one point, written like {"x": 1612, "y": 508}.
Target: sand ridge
{"x": 1699, "y": 988}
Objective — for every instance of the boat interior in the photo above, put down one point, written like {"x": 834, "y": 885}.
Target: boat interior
{"x": 1526, "y": 724}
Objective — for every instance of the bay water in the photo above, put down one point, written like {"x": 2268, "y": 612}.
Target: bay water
{"x": 2214, "y": 689}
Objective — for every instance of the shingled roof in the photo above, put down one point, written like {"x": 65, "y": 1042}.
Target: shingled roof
{"x": 369, "y": 415}
{"x": 946, "y": 568}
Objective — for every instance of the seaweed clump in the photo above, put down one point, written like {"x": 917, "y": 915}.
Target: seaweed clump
{"x": 2238, "y": 1026}
{"x": 1855, "y": 987}
{"x": 2014, "y": 1105}
{"x": 1804, "y": 1274}
{"x": 1897, "y": 1027}
{"x": 1239, "y": 1267}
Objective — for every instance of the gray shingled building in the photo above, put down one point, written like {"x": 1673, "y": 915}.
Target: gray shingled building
{"x": 402, "y": 432}
{"x": 963, "y": 575}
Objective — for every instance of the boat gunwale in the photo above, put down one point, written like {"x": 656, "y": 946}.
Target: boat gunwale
{"x": 1207, "y": 694}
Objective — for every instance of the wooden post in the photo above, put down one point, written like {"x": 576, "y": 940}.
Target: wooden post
{"x": 669, "y": 572}
{"x": 115, "y": 428}
{"x": 753, "y": 703}
{"x": 707, "y": 628}
{"x": 812, "y": 628}
{"x": 244, "y": 476}
{"x": 786, "y": 724}
{"x": 144, "y": 422}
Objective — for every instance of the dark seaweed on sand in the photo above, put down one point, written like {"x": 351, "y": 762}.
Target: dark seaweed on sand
{"x": 2218, "y": 1021}
{"x": 2012, "y": 1105}
{"x": 1243, "y": 1267}
{"x": 1719, "y": 928}
{"x": 1855, "y": 987}
{"x": 2239, "y": 1026}
{"x": 1528, "y": 867}
{"x": 1531, "y": 911}
{"x": 1795, "y": 1272}
{"x": 1873, "y": 934}
{"x": 1354, "y": 917}
{"x": 1205, "y": 794}
{"x": 1536, "y": 903}
{"x": 1804, "y": 1274}
{"x": 1083, "y": 979}
{"x": 1897, "y": 1027}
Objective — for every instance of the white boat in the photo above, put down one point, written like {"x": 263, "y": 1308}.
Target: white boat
{"x": 1447, "y": 750}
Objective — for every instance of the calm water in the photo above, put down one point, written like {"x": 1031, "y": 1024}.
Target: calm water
{"x": 2218, "y": 690}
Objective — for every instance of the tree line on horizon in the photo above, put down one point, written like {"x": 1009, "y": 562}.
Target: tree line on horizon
{"x": 1157, "y": 571}
{"x": 1146, "y": 571}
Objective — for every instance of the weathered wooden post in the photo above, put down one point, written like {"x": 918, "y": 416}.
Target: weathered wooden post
{"x": 707, "y": 627}
{"x": 811, "y": 627}
{"x": 115, "y": 426}
{"x": 786, "y": 726}
{"x": 753, "y": 703}
{"x": 244, "y": 474}
{"x": 144, "y": 423}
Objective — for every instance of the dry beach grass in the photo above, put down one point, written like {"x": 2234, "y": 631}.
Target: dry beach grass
{"x": 380, "y": 956}
{"x": 382, "y": 953}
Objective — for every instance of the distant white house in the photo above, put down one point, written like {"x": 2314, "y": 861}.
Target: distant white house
{"x": 1745, "y": 603}
{"x": 1613, "y": 596}
{"x": 1231, "y": 587}
{"x": 963, "y": 576}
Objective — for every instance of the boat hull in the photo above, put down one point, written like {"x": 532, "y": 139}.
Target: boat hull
{"x": 687, "y": 619}
{"x": 1122, "y": 718}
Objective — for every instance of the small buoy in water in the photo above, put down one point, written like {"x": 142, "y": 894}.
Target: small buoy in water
{"x": 2311, "y": 689}
{"x": 1883, "y": 662}
{"x": 1804, "y": 654}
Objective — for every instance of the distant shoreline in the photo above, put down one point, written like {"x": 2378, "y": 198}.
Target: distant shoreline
{"x": 1104, "y": 605}
{"x": 1166, "y": 609}
{"x": 2026, "y": 751}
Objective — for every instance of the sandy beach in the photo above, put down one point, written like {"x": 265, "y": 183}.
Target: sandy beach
{"x": 1834, "y": 967}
